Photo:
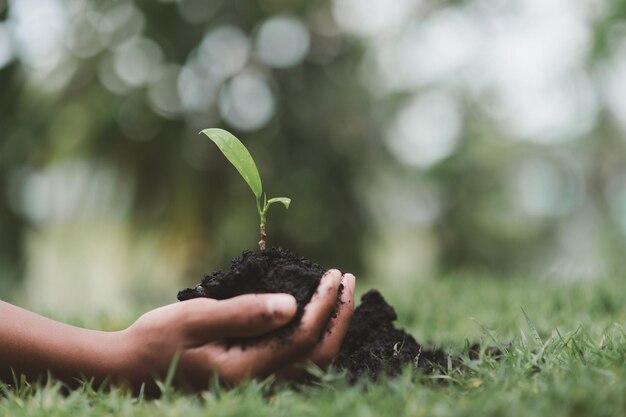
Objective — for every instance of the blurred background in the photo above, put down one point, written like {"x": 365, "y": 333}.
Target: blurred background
{"x": 416, "y": 138}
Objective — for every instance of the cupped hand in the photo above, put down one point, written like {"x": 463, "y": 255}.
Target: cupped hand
{"x": 195, "y": 331}
{"x": 327, "y": 348}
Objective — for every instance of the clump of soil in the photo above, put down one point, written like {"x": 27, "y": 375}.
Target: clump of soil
{"x": 372, "y": 347}
{"x": 274, "y": 270}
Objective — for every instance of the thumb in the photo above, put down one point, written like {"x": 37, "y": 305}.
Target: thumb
{"x": 246, "y": 315}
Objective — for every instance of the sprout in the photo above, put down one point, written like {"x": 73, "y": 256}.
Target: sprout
{"x": 241, "y": 159}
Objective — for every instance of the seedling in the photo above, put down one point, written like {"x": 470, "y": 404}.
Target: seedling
{"x": 241, "y": 159}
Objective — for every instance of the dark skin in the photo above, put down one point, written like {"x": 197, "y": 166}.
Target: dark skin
{"x": 192, "y": 330}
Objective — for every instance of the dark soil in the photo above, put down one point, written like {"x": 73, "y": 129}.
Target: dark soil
{"x": 372, "y": 347}
{"x": 273, "y": 271}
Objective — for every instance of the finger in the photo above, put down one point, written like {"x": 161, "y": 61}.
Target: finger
{"x": 318, "y": 312}
{"x": 328, "y": 348}
{"x": 246, "y": 315}
{"x": 235, "y": 363}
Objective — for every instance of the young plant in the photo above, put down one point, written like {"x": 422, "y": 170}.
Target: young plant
{"x": 241, "y": 159}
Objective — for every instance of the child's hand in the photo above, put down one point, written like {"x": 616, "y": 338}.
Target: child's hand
{"x": 195, "y": 329}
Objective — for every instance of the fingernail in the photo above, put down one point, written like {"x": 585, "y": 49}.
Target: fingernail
{"x": 329, "y": 274}
{"x": 282, "y": 303}
{"x": 350, "y": 280}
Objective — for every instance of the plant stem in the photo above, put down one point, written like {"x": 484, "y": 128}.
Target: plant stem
{"x": 263, "y": 237}
{"x": 262, "y": 213}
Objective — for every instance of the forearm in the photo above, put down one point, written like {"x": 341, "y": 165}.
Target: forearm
{"x": 33, "y": 345}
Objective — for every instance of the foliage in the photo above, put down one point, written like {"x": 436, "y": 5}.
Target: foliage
{"x": 489, "y": 200}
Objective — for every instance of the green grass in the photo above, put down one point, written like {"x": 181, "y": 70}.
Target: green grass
{"x": 566, "y": 356}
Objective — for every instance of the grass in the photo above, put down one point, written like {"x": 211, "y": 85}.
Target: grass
{"x": 565, "y": 356}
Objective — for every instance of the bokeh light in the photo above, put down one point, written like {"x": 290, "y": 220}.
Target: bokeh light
{"x": 6, "y": 45}
{"x": 426, "y": 130}
{"x": 415, "y": 136}
{"x": 224, "y": 51}
{"x": 246, "y": 102}
{"x": 282, "y": 42}
{"x": 39, "y": 29}
{"x": 163, "y": 92}
{"x": 544, "y": 187}
{"x": 372, "y": 18}
{"x": 137, "y": 60}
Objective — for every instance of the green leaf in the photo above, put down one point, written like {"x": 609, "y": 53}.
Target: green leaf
{"x": 284, "y": 200}
{"x": 239, "y": 156}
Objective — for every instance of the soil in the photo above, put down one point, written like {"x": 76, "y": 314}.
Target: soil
{"x": 372, "y": 347}
{"x": 274, "y": 270}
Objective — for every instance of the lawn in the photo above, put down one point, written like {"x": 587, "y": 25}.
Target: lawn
{"x": 564, "y": 344}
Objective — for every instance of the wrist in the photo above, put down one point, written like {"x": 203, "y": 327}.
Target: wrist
{"x": 127, "y": 364}
{"x": 117, "y": 356}
{"x": 137, "y": 360}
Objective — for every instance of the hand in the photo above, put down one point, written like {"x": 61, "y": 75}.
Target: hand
{"x": 327, "y": 349}
{"x": 195, "y": 330}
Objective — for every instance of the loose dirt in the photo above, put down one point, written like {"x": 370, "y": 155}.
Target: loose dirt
{"x": 373, "y": 345}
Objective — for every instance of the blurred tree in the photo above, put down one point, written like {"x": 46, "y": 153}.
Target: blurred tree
{"x": 110, "y": 110}
{"x": 489, "y": 138}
